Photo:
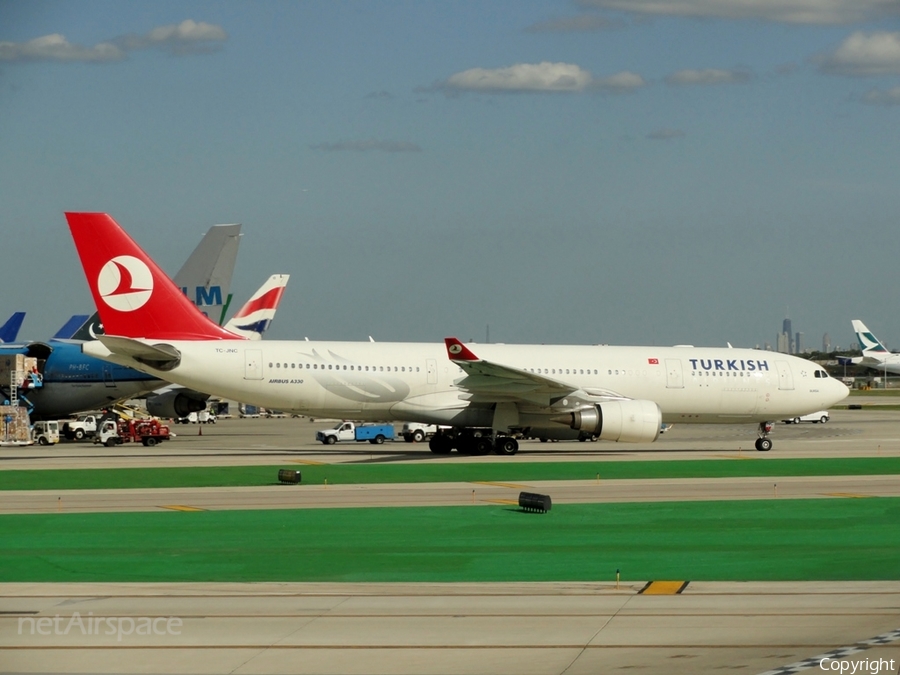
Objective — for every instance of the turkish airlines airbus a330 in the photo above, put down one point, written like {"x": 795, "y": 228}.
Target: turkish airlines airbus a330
{"x": 486, "y": 393}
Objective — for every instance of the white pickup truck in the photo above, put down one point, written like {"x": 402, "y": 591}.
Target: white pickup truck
{"x": 416, "y": 432}
{"x": 348, "y": 431}
{"x": 81, "y": 427}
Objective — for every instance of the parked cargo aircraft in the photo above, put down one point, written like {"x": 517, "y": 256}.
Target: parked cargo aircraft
{"x": 874, "y": 354}
{"x": 617, "y": 393}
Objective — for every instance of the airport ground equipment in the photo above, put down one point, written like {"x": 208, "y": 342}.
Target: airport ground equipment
{"x": 532, "y": 501}
{"x": 291, "y": 476}
{"x": 83, "y": 426}
{"x": 116, "y": 432}
{"x": 45, "y": 432}
{"x": 348, "y": 431}
{"x": 416, "y": 432}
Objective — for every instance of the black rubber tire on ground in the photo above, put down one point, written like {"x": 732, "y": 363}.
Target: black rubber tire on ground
{"x": 149, "y": 441}
{"x": 79, "y": 434}
{"x": 42, "y": 440}
{"x": 506, "y": 445}
{"x": 408, "y": 438}
{"x": 823, "y": 419}
{"x": 378, "y": 440}
{"x": 418, "y": 436}
{"x": 763, "y": 444}
{"x": 482, "y": 446}
{"x": 329, "y": 440}
{"x": 109, "y": 442}
{"x": 440, "y": 445}
{"x": 796, "y": 420}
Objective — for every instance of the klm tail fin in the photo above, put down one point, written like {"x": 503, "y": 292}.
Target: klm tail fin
{"x": 10, "y": 330}
{"x": 205, "y": 276}
{"x": 134, "y": 296}
{"x": 253, "y": 319}
{"x": 868, "y": 343}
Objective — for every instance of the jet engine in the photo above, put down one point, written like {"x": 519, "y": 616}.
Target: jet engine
{"x": 624, "y": 421}
{"x": 176, "y": 403}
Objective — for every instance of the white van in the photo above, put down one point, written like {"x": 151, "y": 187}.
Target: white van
{"x": 816, "y": 417}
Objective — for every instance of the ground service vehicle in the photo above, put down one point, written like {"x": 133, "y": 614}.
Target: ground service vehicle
{"x": 148, "y": 432}
{"x": 81, "y": 427}
{"x": 45, "y": 432}
{"x": 416, "y": 432}
{"x": 348, "y": 431}
{"x": 816, "y": 417}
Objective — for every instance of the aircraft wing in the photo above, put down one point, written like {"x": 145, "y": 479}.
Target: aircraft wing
{"x": 491, "y": 382}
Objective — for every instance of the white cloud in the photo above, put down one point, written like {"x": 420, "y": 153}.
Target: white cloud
{"x": 882, "y": 96}
{"x": 781, "y": 11}
{"x": 865, "y": 54}
{"x": 521, "y": 77}
{"x": 707, "y": 76}
{"x": 583, "y": 23}
{"x": 620, "y": 82}
{"x": 368, "y": 146}
{"x": 537, "y": 78}
{"x": 187, "y": 37}
{"x": 665, "y": 134}
{"x": 56, "y": 47}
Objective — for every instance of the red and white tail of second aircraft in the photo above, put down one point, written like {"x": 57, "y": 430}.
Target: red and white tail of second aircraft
{"x": 487, "y": 394}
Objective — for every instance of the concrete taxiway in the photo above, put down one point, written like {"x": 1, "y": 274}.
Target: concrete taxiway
{"x": 437, "y": 629}
{"x": 540, "y": 628}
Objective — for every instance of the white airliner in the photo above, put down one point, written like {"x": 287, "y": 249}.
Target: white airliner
{"x": 874, "y": 354}
{"x": 616, "y": 393}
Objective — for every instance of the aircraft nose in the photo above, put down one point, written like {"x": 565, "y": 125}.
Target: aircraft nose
{"x": 841, "y": 391}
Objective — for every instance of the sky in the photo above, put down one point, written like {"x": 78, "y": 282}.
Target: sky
{"x": 647, "y": 172}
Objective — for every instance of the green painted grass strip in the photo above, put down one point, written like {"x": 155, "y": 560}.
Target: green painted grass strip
{"x": 429, "y": 472}
{"x": 834, "y": 539}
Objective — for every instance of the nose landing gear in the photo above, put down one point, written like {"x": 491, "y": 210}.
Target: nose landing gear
{"x": 763, "y": 444}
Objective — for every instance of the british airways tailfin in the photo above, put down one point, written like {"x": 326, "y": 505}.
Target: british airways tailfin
{"x": 254, "y": 318}
{"x": 868, "y": 343}
{"x": 134, "y": 296}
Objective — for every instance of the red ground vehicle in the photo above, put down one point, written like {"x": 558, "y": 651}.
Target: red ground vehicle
{"x": 149, "y": 432}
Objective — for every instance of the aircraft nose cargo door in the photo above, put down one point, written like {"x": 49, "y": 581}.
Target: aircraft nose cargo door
{"x": 252, "y": 364}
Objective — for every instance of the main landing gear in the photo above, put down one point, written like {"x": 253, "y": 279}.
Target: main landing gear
{"x": 763, "y": 444}
{"x": 467, "y": 443}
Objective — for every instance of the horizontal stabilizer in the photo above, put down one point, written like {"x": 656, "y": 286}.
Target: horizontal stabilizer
{"x": 159, "y": 356}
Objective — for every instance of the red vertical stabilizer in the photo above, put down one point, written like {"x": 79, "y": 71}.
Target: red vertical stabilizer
{"x": 134, "y": 296}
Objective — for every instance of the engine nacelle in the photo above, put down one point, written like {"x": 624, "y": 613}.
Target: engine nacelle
{"x": 623, "y": 421}
{"x": 176, "y": 403}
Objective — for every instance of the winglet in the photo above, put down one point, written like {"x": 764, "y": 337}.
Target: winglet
{"x": 457, "y": 351}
